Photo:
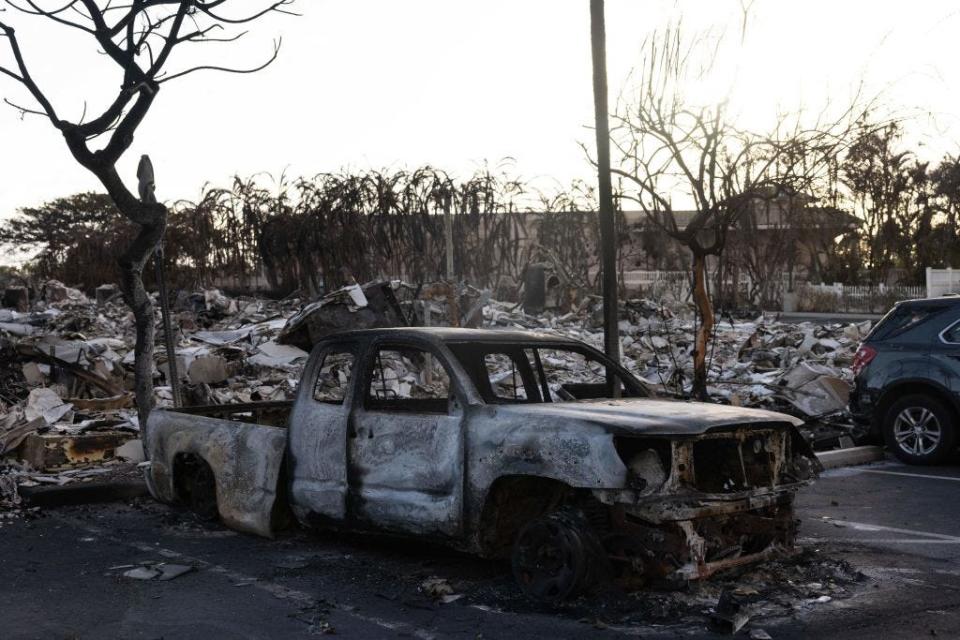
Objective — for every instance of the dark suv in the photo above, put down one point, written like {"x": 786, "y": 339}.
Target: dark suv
{"x": 907, "y": 379}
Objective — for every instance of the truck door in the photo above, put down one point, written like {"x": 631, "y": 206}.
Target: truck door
{"x": 406, "y": 443}
{"x": 317, "y": 451}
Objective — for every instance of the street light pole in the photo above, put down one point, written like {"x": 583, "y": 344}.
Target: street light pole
{"x": 608, "y": 250}
{"x": 146, "y": 188}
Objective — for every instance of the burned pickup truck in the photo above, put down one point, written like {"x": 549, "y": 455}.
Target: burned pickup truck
{"x": 500, "y": 443}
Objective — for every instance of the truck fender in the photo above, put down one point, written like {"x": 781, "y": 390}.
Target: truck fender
{"x": 245, "y": 459}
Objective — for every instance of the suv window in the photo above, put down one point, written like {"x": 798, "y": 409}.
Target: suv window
{"x": 407, "y": 379}
{"x": 952, "y": 333}
{"x": 904, "y": 318}
{"x": 334, "y": 376}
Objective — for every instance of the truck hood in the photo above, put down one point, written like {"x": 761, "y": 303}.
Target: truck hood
{"x": 650, "y": 417}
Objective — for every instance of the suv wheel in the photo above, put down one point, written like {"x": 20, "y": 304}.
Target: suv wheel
{"x": 919, "y": 430}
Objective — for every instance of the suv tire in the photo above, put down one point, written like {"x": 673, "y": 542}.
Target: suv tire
{"x": 920, "y": 429}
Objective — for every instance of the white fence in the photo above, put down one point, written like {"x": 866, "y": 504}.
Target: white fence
{"x": 678, "y": 285}
{"x": 839, "y": 298}
{"x": 776, "y": 294}
{"x": 942, "y": 281}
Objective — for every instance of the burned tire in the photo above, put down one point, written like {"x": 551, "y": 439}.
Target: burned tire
{"x": 556, "y": 557}
{"x": 197, "y": 488}
{"x": 920, "y": 429}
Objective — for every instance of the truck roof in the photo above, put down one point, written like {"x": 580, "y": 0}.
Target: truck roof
{"x": 456, "y": 335}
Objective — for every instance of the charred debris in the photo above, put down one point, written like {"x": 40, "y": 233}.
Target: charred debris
{"x": 67, "y": 412}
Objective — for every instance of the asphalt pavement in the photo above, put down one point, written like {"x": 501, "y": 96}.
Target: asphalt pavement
{"x": 62, "y": 577}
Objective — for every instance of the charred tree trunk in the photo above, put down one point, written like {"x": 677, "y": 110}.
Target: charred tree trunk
{"x": 139, "y": 38}
{"x": 132, "y": 263}
{"x": 151, "y": 217}
{"x": 705, "y": 309}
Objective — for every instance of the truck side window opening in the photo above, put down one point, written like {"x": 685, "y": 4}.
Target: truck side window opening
{"x": 408, "y": 379}
{"x": 333, "y": 377}
{"x": 572, "y": 375}
{"x": 506, "y": 381}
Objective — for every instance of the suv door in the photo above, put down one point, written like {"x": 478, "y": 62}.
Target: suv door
{"x": 945, "y": 351}
{"x": 405, "y": 443}
{"x": 317, "y": 452}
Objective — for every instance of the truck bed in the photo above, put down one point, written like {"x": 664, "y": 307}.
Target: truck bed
{"x": 272, "y": 413}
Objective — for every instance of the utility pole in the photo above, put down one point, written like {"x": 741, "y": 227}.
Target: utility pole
{"x": 454, "y": 286}
{"x": 608, "y": 249}
{"x": 146, "y": 188}
{"x": 448, "y": 235}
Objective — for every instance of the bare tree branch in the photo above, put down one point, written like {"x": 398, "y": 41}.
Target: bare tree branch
{"x": 139, "y": 37}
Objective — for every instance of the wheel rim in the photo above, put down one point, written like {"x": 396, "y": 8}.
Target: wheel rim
{"x": 917, "y": 431}
{"x": 548, "y": 560}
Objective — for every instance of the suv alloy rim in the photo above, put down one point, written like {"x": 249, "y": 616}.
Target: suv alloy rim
{"x": 917, "y": 431}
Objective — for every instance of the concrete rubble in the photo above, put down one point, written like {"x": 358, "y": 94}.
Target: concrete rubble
{"x": 66, "y": 361}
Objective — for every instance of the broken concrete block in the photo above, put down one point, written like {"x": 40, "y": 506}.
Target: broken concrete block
{"x": 54, "y": 291}
{"x": 106, "y": 292}
{"x": 131, "y": 451}
{"x": 535, "y": 288}
{"x": 46, "y": 404}
{"x": 12, "y": 437}
{"x": 17, "y": 298}
{"x": 51, "y": 451}
{"x": 207, "y": 370}
{"x": 33, "y": 374}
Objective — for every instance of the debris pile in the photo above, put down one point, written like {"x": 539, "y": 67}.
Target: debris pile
{"x": 67, "y": 410}
{"x": 801, "y": 369}
{"x": 66, "y": 360}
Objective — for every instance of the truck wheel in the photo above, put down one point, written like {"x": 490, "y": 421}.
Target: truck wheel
{"x": 920, "y": 430}
{"x": 555, "y": 557}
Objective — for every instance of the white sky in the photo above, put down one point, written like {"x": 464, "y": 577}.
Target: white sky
{"x": 455, "y": 83}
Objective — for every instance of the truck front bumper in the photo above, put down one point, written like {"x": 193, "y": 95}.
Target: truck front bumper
{"x": 681, "y": 538}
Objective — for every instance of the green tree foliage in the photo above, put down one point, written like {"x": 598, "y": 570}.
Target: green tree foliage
{"x": 909, "y": 208}
{"x": 76, "y": 236}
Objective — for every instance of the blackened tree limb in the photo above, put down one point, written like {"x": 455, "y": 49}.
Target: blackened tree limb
{"x": 139, "y": 38}
{"x": 671, "y": 148}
